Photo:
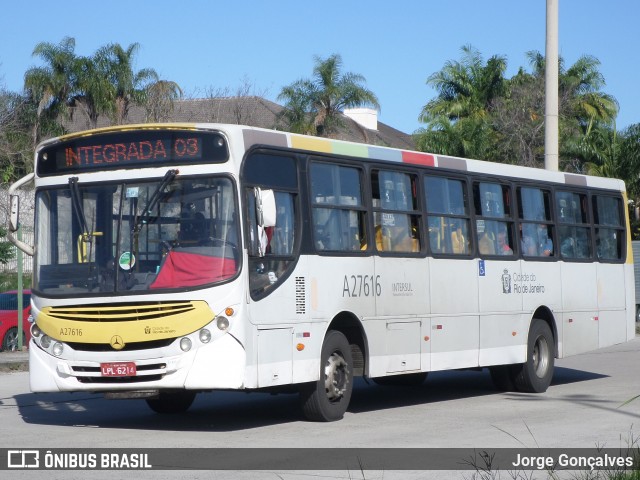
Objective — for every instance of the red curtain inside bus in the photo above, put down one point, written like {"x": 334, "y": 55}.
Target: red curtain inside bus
{"x": 184, "y": 269}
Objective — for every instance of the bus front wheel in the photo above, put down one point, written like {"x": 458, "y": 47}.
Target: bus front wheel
{"x": 535, "y": 374}
{"x": 172, "y": 402}
{"x": 327, "y": 399}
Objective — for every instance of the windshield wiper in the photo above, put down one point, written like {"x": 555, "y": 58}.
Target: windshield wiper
{"x": 154, "y": 199}
{"x": 86, "y": 236}
{"x": 77, "y": 205}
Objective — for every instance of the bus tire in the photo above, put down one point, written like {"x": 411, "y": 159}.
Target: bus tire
{"x": 172, "y": 402}
{"x": 327, "y": 399}
{"x": 405, "y": 380}
{"x": 534, "y": 376}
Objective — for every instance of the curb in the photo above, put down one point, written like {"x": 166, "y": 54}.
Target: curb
{"x": 14, "y": 361}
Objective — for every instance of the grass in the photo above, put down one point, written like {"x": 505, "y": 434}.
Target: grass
{"x": 629, "y": 447}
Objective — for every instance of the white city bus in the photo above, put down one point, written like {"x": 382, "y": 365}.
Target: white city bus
{"x": 182, "y": 258}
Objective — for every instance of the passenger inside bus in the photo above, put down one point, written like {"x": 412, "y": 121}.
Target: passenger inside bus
{"x": 486, "y": 244}
{"x": 536, "y": 241}
{"x": 458, "y": 240}
{"x": 503, "y": 247}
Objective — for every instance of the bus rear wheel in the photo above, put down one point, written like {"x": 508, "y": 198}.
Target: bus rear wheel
{"x": 535, "y": 374}
{"x": 172, "y": 402}
{"x": 327, "y": 399}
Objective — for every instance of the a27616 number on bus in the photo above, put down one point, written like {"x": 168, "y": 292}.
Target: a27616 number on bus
{"x": 361, "y": 286}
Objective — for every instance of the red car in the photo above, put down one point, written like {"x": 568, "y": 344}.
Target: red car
{"x": 9, "y": 320}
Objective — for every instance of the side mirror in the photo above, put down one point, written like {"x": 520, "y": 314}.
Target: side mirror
{"x": 265, "y": 207}
{"x": 14, "y": 216}
{"x": 265, "y": 217}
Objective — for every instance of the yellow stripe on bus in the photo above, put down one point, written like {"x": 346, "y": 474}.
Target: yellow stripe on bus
{"x": 138, "y": 330}
{"x": 130, "y": 127}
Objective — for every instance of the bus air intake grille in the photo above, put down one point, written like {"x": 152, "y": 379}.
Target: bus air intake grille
{"x": 301, "y": 296}
{"x": 121, "y": 312}
{"x": 119, "y": 380}
{"x": 129, "y": 347}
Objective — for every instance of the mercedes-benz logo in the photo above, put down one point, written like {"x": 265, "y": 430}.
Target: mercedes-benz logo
{"x": 116, "y": 342}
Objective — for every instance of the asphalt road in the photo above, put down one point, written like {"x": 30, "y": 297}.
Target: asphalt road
{"x": 583, "y": 408}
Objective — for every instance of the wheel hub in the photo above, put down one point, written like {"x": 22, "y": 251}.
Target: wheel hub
{"x": 541, "y": 356}
{"x": 336, "y": 376}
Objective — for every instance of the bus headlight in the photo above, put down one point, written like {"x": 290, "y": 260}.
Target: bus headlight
{"x": 222, "y": 323}
{"x": 45, "y": 341}
{"x": 35, "y": 331}
{"x": 57, "y": 349}
{"x": 205, "y": 335}
{"x": 185, "y": 344}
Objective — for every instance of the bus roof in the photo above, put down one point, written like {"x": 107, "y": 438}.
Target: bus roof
{"x": 253, "y": 136}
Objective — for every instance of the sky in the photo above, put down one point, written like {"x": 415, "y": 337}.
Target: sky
{"x": 210, "y": 45}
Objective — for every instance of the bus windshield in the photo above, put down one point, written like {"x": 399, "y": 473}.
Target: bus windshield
{"x": 141, "y": 236}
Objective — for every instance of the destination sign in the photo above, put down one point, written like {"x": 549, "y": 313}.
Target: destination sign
{"x": 132, "y": 149}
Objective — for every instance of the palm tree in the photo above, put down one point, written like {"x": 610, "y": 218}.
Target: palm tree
{"x": 466, "y": 89}
{"x": 479, "y": 113}
{"x": 159, "y": 98}
{"x": 52, "y": 85}
{"x": 95, "y": 93}
{"x": 130, "y": 86}
{"x": 458, "y": 118}
{"x": 586, "y": 104}
{"x": 316, "y": 103}
{"x": 581, "y": 100}
{"x": 608, "y": 153}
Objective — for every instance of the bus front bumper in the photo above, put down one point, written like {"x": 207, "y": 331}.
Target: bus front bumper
{"x": 218, "y": 365}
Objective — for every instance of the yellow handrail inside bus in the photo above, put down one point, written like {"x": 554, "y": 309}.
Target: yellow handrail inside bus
{"x": 83, "y": 239}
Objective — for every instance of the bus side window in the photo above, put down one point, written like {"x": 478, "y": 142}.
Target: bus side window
{"x": 610, "y": 234}
{"x": 338, "y": 213}
{"x": 574, "y": 230}
{"x": 495, "y": 227}
{"x": 448, "y": 213}
{"x": 396, "y": 215}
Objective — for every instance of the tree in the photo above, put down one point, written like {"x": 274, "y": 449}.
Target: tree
{"x": 95, "y": 94}
{"x": 314, "y": 105}
{"x": 6, "y": 248}
{"x": 517, "y": 119}
{"x": 17, "y": 115}
{"x": 479, "y": 113}
{"x": 466, "y": 92}
{"x": 52, "y": 85}
{"x": 466, "y": 88}
{"x": 130, "y": 86}
{"x": 582, "y": 99}
{"x": 582, "y": 104}
{"x": 159, "y": 99}
{"x": 608, "y": 153}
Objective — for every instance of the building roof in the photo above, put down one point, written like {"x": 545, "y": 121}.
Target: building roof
{"x": 248, "y": 110}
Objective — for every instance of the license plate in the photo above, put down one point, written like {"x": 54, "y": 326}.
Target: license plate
{"x": 118, "y": 369}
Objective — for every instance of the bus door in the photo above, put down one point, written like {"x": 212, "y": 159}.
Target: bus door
{"x": 453, "y": 332}
{"x": 401, "y": 282}
{"x": 580, "y": 290}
